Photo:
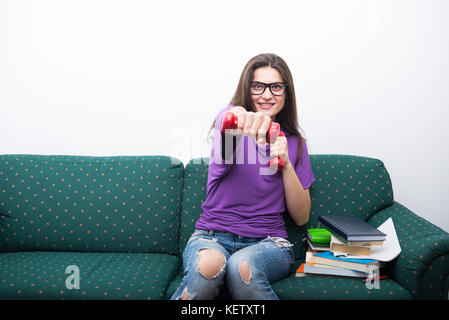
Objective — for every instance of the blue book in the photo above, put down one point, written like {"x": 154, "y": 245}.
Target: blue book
{"x": 330, "y": 255}
{"x": 317, "y": 268}
{"x": 328, "y": 258}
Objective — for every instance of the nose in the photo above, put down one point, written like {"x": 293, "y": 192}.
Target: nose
{"x": 267, "y": 95}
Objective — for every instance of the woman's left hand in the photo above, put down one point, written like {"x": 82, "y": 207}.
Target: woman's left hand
{"x": 280, "y": 149}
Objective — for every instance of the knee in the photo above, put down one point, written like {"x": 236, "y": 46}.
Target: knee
{"x": 211, "y": 262}
{"x": 245, "y": 272}
{"x": 239, "y": 279}
{"x": 239, "y": 271}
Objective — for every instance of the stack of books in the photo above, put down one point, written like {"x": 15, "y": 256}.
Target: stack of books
{"x": 342, "y": 248}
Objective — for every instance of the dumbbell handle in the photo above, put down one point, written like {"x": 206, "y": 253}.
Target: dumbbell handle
{"x": 277, "y": 161}
{"x": 230, "y": 121}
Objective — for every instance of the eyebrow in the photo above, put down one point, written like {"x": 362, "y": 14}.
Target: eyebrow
{"x": 268, "y": 82}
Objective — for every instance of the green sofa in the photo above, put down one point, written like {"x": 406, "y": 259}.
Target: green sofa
{"x": 78, "y": 227}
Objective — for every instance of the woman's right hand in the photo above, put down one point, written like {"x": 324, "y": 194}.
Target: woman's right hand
{"x": 252, "y": 124}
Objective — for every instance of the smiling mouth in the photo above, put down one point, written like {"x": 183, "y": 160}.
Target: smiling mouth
{"x": 265, "y": 106}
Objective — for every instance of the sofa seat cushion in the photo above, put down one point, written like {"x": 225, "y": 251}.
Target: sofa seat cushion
{"x": 314, "y": 287}
{"x": 41, "y": 275}
{"x": 321, "y": 287}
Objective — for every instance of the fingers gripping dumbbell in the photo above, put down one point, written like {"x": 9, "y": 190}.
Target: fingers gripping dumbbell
{"x": 230, "y": 121}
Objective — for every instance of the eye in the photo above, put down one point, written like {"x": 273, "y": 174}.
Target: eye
{"x": 257, "y": 86}
{"x": 277, "y": 86}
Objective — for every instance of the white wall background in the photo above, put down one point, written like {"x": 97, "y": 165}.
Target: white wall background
{"x": 90, "y": 77}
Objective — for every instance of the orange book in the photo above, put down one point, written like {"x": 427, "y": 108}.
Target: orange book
{"x": 300, "y": 271}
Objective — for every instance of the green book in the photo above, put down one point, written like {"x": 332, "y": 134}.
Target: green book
{"x": 319, "y": 236}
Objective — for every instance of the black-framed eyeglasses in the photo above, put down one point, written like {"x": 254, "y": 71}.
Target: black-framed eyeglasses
{"x": 276, "y": 88}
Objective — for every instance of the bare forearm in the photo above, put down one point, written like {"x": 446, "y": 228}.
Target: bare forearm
{"x": 297, "y": 199}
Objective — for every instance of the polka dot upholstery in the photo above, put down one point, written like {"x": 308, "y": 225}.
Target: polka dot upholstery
{"x": 124, "y": 221}
{"x": 356, "y": 186}
{"x": 193, "y": 196}
{"x": 340, "y": 288}
{"x": 423, "y": 265}
{"x": 41, "y": 275}
{"x": 70, "y": 203}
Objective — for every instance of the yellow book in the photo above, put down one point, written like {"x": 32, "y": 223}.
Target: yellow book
{"x": 337, "y": 245}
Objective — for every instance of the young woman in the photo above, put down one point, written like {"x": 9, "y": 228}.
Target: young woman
{"x": 240, "y": 237}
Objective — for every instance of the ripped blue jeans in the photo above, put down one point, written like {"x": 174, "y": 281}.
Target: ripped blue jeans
{"x": 248, "y": 266}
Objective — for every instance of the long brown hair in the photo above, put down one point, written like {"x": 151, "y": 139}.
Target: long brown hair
{"x": 288, "y": 116}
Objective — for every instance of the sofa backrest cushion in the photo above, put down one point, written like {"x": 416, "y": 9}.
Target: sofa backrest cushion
{"x": 193, "y": 196}
{"x": 78, "y": 203}
{"x": 345, "y": 185}
{"x": 352, "y": 185}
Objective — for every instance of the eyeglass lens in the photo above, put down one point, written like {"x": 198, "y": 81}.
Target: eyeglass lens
{"x": 277, "y": 88}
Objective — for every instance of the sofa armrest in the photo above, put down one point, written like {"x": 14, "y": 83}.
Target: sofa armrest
{"x": 423, "y": 265}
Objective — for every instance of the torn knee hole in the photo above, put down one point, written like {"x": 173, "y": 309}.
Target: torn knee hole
{"x": 245, "y": 272}
{"x": 211, "y": 262}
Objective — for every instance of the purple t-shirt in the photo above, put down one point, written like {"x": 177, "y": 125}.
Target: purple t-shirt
{"x": 243, "y": 196}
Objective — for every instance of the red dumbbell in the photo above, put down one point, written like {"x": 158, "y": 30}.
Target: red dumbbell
{"x": 277, "y": 162}
{"x": 230, "y": 121}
